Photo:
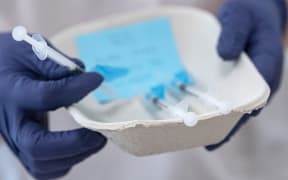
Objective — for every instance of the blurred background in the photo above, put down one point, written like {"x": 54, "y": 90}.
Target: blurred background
{"x": 258, "y": 151}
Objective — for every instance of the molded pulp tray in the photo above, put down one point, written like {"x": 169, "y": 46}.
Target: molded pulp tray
{"x": 130, "y": 126}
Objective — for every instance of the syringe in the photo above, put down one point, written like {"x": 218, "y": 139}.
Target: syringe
{"x": 43, "y": 51}
{"x": 221, "y": 105}
{"x": 156, "y": 96}
{"x": 184, "y": 82}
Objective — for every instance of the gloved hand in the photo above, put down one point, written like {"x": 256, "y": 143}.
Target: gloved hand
{"x": 29, "y": 87}
{"x": 255, "y": 27}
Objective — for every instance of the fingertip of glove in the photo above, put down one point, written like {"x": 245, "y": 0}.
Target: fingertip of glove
{"x": 93, "y": 139}
{"x": 93, "y": 78}
{"x": 230, "y": 44}
{"x": 211, "y": 148}
{"x": 226, "y": 51}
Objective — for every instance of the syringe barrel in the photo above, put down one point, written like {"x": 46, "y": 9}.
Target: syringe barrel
{"x": 201, "y": 95}
{"x": 62, "y": 60}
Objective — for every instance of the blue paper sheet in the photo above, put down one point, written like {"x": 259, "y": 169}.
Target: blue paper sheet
{"x": 146, "y": 49}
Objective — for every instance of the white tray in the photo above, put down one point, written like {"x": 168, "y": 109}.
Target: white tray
{"x": 135, "y": 130}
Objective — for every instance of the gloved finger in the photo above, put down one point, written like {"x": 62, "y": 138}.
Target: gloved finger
{"x": 49, "y": 175}
{"x": 41, "y": 166}
{"x": 50, "y": 95}
{"x": 266, "y": 51}
{"x": 235, "y": 129}
{"x": 236, "y": 24}
{"x": 38, "y": 143}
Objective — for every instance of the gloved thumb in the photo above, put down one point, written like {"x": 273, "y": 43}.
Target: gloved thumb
{"x": 52, "y": 94}
{"x": 236, "y": 26}
{"x": 35, "y": 142}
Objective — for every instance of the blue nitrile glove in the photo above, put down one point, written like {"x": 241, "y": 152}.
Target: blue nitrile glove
{"x": 255, "y": 27}
{"x": 28, "y": 89}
